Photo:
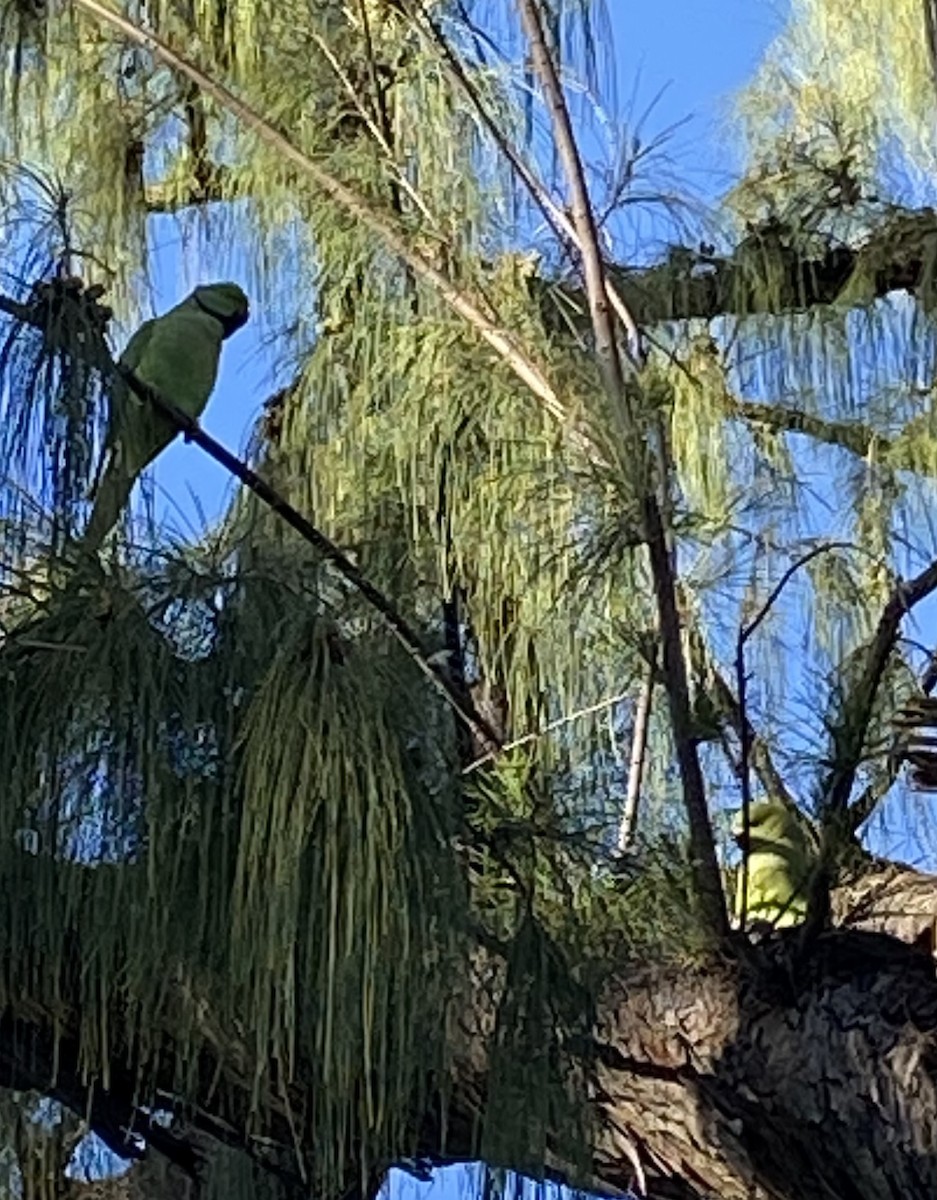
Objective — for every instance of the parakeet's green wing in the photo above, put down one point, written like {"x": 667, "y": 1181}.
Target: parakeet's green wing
{"x": 120, "y": 398}
{"x": 136, "y": 347}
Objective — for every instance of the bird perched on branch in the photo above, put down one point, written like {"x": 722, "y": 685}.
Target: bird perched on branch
{"x": 780, "y": 863}
{"x": 177, "y": 355}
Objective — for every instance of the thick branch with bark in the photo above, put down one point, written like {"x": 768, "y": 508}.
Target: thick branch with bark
{"x": 696, "y": 283}
{"x": 751, "y": 1087}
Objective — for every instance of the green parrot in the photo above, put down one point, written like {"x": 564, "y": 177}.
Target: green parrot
{"x": 176, "y": 354}
{"x": 780, "y": 863}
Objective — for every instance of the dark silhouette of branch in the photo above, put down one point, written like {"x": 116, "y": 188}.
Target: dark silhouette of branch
{"x": 750, "y": 627}
{"x": 850, "y": 730}
{"x": 746, "y": 731}
{"x": 405, "y": 633}
{"x": 850, "y": 435}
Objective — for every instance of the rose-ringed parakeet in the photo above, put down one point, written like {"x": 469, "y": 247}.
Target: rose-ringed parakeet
{"x": 780, "y": 864}
{"x": 176, "y": 354}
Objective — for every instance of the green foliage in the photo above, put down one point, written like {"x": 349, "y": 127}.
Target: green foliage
{"x": 878, "y": 85}
{"x": 223, "y": 744}
{"x": 278, "y": 869}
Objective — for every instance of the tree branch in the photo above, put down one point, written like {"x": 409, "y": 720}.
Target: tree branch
{"x": 167, "y": 197}
{"x": 849, "y": 435}
{"x": 760, "y": 755}
{"x": 850, "y": 731}
{"x": 706, "y": 867}
{"x": 629, "y": 819}
{"x": 95, "y": 352}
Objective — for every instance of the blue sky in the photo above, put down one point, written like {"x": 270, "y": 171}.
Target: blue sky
{"x": 702, "y": 52}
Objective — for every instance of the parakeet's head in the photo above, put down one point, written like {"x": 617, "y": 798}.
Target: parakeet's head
{"x": 769, "y": 822}
{"x": 224, "y": 301}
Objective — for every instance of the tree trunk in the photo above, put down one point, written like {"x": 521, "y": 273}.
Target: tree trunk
{"x": 777, "y": 1077}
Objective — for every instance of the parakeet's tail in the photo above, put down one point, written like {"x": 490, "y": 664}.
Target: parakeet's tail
{"x": 112, "y": 494}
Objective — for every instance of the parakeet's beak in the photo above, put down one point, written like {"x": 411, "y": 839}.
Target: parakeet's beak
{"x": 233, "y": 323}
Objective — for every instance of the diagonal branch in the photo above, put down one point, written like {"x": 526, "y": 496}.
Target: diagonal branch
{"x": 746, "y": 733}
{"x": 628, "y": 826}
{"x": 750, "y": 628}
{"x": 583, "y": 218}
{"x": 850, "y": 731}
{"x": 96, "y": 352}
{"x": 333, "y": 554}
{"x": 839, "y": 821}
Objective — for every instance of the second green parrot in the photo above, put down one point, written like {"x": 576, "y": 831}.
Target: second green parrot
{"x": 177, "y": 355}
{"x": 780, "y": 863}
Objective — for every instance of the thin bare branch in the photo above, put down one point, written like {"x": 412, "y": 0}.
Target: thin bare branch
{"x": 750, "y": 628}
{"x": 708, "y": 878}
{"x": 629, "y": 818}
{"x": 761, "y": 760}
{"x": 550, "y": 727}
{"x": 746, "y": 730}
{"x": 583, "y": 217}
{"x": 850, "y": 731}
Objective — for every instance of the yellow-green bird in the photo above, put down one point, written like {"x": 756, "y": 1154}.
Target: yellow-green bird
{"x": 780, "y": 863}
{"x": 176, "y": 354}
